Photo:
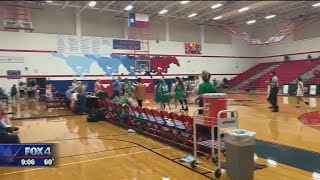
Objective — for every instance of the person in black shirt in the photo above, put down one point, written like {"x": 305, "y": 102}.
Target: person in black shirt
{"x": 14, "y": 92}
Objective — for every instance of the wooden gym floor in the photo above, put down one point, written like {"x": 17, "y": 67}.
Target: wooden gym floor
{"x": 102, "y": 150}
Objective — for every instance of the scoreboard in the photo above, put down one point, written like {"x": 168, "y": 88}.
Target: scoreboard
{"x": 27, "y": 155}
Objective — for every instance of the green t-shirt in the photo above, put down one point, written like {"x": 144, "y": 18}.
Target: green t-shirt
{"x": 206, "y": 87}
{"x": 129, "y": 89}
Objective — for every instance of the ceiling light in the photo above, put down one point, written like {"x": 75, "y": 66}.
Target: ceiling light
{"x": 251, "y": 21}
{"x": 163, "y": 11}
{"x": 48, "y": 1}
{"x": 184, "y": 2}
{"x": 92, "y": 3}
{"x": 218, "y": 17}
{"x": 270, "y": 16}
{"x": 216, "y": 6}
{"x": 316, "y": 5}
{"x": 128, "y": 8}
{"x": 243, "y": 9}
{"x": 192, "y": 15}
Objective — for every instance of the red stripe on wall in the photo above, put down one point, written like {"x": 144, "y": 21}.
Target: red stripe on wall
{"x": 56, "y": 76}
{"x": 176, "y": 55}
{"x": 27, "y": 50}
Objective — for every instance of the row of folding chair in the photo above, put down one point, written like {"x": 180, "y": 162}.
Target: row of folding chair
{"x": 167, "y": 127}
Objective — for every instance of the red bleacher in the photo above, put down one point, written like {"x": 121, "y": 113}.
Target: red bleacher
{"x": 248, "y": 73}
{"x": 314, "y": 80}
{"x": 286, "y": 72}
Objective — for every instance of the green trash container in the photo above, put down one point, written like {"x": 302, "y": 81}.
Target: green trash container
{"x": 239, "y": 146}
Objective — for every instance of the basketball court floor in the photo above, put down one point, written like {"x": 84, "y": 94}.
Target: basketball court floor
{"x": 288, "y": 146}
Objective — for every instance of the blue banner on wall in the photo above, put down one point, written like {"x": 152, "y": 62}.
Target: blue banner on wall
{"x": 126, "y": 44}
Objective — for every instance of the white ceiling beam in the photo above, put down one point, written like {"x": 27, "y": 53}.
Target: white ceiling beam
{"x": 77, "y": 6}
{"x": 151, "y": 4}
{"x": 84, "y": 7}
{"x": 110, "y": 3}
{"x": 65, "y": 4}
{"x": 275, "y": 10}
{"x": 181, "y": 9}
{"x": 124, "y": 7}
{"x": 224, "y": 7}
{"x": 193, "y": 12}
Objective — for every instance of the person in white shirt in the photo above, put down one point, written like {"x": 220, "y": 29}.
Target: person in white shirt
{"x": 300, "y": 93}
{"x": 268, "y": 92}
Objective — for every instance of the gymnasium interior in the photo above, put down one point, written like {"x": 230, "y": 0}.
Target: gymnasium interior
{"x": 160, "y": 90}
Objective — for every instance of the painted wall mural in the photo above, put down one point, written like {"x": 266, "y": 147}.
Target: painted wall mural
{"x": 80, "y": 64}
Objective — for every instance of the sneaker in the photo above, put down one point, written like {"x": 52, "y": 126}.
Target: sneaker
{"x": 275, "y": 110}
{"x": 297, "y": 106}
{"x": 270, "y": 107}
{"x": 131, "y": 131}
{"x": 15, "y": 128}
{"x": 307, "y": 103}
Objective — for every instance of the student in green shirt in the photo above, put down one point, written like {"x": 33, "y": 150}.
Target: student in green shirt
{"x": 157, "y": 96}
{"x": 205, "y": 87}
{"x": 165, "y": 94}
{"x": 129, "y": 88}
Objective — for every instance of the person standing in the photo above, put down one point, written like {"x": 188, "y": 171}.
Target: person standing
{"x": 129, "y": 88}
{"x": 165, "y": 93}
{"x": 205, "y": 87}
{"x": 268, "y": 92}
{"x": 21, "y": 90}
{"x": 116, "y": 88}
{"x": 97, "y": 86}
{"x": 300, "y": 93}
{"x": 140, "y": 91}
{"x": 274, "y": 92}
{"x": 14, "y": 92}
{"x": 29, "y": 89}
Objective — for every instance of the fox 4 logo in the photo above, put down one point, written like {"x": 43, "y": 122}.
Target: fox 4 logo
{"x": 37, "y": 151}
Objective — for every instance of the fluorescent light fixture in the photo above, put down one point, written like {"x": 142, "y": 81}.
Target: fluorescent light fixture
{"x": 48, "y": 1}
{"x": 316, "y": 5}
{"x": 251, "y": 21}
{"x": 243, "y": 9}
{"x": 216, "y": 6}
{"x": 192, "y": 15}
{"x": 128, "y": 8}
{"x": 163, "y": 11}
{"x": 270, "y": 16}
{"x": 92, "y": 3}
{"x": 218, "y": 17}
{"x": 184, "y": 2}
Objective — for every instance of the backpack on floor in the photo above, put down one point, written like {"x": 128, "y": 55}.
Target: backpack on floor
{"x": 96, "y": 115}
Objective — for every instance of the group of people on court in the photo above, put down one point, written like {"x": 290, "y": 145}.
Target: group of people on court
{"x": 273, "y": 89}
{"x": 125, "y": 92}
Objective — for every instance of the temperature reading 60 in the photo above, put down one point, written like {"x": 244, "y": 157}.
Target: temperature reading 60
{"x": 48, "y": 161}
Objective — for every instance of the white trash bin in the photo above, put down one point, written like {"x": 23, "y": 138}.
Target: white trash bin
{"x": 239, "y": 146}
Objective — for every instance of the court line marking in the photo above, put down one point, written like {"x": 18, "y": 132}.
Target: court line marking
{"x": 84, "y": 161}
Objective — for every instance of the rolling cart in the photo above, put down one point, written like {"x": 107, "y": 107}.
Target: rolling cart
{"x": 221, "y": 122}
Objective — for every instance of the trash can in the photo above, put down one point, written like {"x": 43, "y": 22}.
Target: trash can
{"x": 213, "y": 103}
{"x": 239, "y": 146}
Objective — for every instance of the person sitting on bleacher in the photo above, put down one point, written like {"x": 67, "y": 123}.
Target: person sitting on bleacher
{"x": 125, "y": 100}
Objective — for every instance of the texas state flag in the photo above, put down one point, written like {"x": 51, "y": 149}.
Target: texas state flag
{"x": 138, "y": 20}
